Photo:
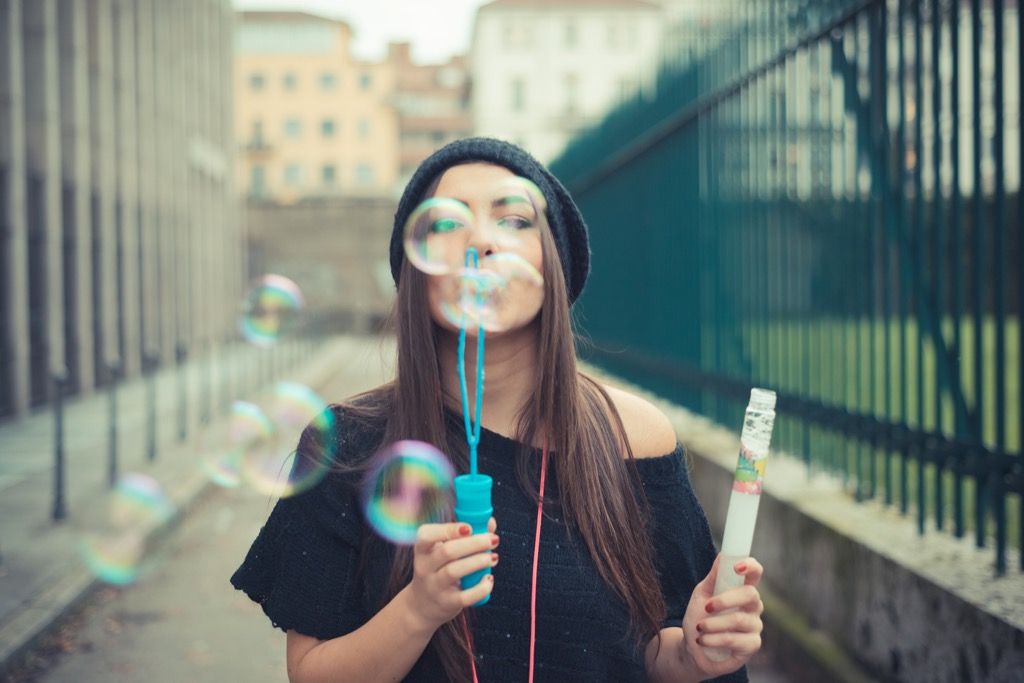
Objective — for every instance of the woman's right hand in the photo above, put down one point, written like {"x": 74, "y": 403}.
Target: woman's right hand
{"x": 443, "y": 554}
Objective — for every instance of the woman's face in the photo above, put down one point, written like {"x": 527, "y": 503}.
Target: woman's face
{"x": 505, "y": 227}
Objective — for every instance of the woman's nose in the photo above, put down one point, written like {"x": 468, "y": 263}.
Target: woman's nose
{"x": 483, "y": 237}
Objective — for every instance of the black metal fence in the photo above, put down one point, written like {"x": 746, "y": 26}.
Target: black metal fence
{"x": 827, "y": 203}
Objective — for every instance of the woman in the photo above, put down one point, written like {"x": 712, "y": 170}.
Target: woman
{"x": 626, "y": 563}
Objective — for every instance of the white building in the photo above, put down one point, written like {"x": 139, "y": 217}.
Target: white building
{"x": 543, "y": 70}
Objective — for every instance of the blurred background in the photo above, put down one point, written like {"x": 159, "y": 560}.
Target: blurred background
{"x": 821, "y": 197}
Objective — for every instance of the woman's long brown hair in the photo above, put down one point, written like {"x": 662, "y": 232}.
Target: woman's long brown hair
{"x": 571, "y": 411}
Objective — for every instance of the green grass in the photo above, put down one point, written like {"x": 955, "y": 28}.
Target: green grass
{"x": 843, "y": 362}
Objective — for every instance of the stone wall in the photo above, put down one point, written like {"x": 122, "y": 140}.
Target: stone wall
{"x": 335, "y": 249}
{"x": 905, "y": 607}
{"x": 852, "y": 591}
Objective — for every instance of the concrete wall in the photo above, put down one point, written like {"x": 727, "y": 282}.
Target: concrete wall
{"x": 336, "y": 250}
{"x": 118, "y": 234}
{"x": 905, "y": 607}
{"x": 852, "y": 592}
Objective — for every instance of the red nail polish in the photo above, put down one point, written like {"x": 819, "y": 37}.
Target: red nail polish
{"x": 709, "y": 608}
{"x": 741, "y": 567}
{"x": 464, "y": 530}
{"x": 494, "y": 542}
{"x": 700, "y": 640}
{"x": 494, "y": 558}
{"x": 700, "y": 626}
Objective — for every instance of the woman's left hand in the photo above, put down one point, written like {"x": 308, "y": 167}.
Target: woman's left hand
{"x": 730, "y": 621}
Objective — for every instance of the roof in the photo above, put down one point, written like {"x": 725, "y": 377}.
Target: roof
{"x": 285, "y": 15}
{"x": 572, "y": 4}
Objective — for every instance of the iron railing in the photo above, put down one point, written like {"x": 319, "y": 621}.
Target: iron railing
{"x": 828, "y": 203}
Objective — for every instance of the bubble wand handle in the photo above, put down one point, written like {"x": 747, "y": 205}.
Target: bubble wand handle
{"x": 738, "y": 537}
{"x": 473, "y": 491}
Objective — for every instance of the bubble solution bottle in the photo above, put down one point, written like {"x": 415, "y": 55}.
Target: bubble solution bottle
{"x": 745, "y": 497}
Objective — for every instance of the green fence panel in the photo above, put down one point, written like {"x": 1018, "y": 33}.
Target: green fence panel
{"x": 826, "y": 203}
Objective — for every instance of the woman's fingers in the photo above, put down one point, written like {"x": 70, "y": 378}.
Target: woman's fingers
{"x": 741, "y": 622}
{"x": 429, "y": 534}
{"x": 742, "y": 645}
{"x": 473, "y": 595}
{"x": 461, "y": 547}
{"x": 454, "y": 571}
{"x": 751, "y": 571}
{"x": 745, "y": 598}
{"x": 492, "y": 525}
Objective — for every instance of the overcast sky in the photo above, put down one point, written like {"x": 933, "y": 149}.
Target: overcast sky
{"x": 437, "y": 29}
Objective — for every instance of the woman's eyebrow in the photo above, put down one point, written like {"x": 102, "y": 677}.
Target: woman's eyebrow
{"x": 509, "y": 199}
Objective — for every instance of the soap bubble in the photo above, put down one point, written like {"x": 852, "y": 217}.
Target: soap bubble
{"x": 270, "y": 464}
{"x": 114, "y": 552}
{"x": 408, "y": 484}
{"x": 270, "y": 309}
{"x": 248, "y": 428}
{"x": 487, "y": 296}
{"x": 435, "y": 235}
{"x": 436, "y": 232}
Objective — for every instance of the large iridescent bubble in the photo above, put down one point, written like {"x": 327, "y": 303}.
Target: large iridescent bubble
{"x": 484, "y": 296}
{"x": 270, "y": 309}
{"x": 114, "y": 550}
{"x": 437, "y": 231}
{"x": 435, "y": 235}
{"x": 271, "y": 465}
{"x": 407, "y": 485}
{"x": 248, "y": 428}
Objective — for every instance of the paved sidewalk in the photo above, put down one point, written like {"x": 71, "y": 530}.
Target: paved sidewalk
{"x": 180, "y": 621}
{"x": 41, "y": 574}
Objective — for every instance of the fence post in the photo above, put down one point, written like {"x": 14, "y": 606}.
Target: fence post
{"x": 180, "y": 354}
{"x": 60, "y": 511}
{"x": 151, "y": 363}
{"x": 112, "y": 454}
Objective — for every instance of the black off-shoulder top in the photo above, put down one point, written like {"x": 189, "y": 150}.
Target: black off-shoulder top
{"x": 311, "y": 571}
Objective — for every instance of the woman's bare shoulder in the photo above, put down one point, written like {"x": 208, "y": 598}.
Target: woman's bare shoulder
{"x": 648, "y": 429}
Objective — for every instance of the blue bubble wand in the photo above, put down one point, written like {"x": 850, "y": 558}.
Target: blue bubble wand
{"x": 473, "y": 490}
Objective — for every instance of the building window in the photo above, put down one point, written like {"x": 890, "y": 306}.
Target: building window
{"x": 290, "y": 81}
{"x": 365, "y": 80}
{"x": 614, "y": 36}
{"x": 626, "y": 87}
{"x": 364, "y": 175}
{"x": 328, "y": 173}
{"x": 256, "y": 81}
{"x": 364, "y": 129}
{"x": 258, "y": 180}
{"x": 328, "y": 81}
{"x": 517, "y": 34}
{"x": 293, "y": 175}
{"x": 292, "y": 128}
{"x": 632, "y": 35}
{"x": 257, "y": 134}
{"x": 518, "y": 94}
{"x": 571, "y": 86}
{"x": 327, "y": 128}
{"x": 571, "y": 34}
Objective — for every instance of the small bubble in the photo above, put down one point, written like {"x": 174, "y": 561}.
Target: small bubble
{"x": 270, "y": 309}
{"x": 408, "y": 484}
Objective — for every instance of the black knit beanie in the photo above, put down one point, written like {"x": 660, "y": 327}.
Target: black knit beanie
{"x": 564, "y": 217}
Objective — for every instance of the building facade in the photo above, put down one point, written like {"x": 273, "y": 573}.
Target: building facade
{"x": 542, "y": 70}
{"x": 312, "y": 120}
{"x": 432, "y": 101}
{"x": 120, "y": 228}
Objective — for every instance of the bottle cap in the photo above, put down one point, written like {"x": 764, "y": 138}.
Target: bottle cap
{"x": 762, "y": 399}
{"x": 473, "y": 492}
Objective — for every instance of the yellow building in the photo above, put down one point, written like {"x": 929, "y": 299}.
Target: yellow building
{"x": 311, "y": 120}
